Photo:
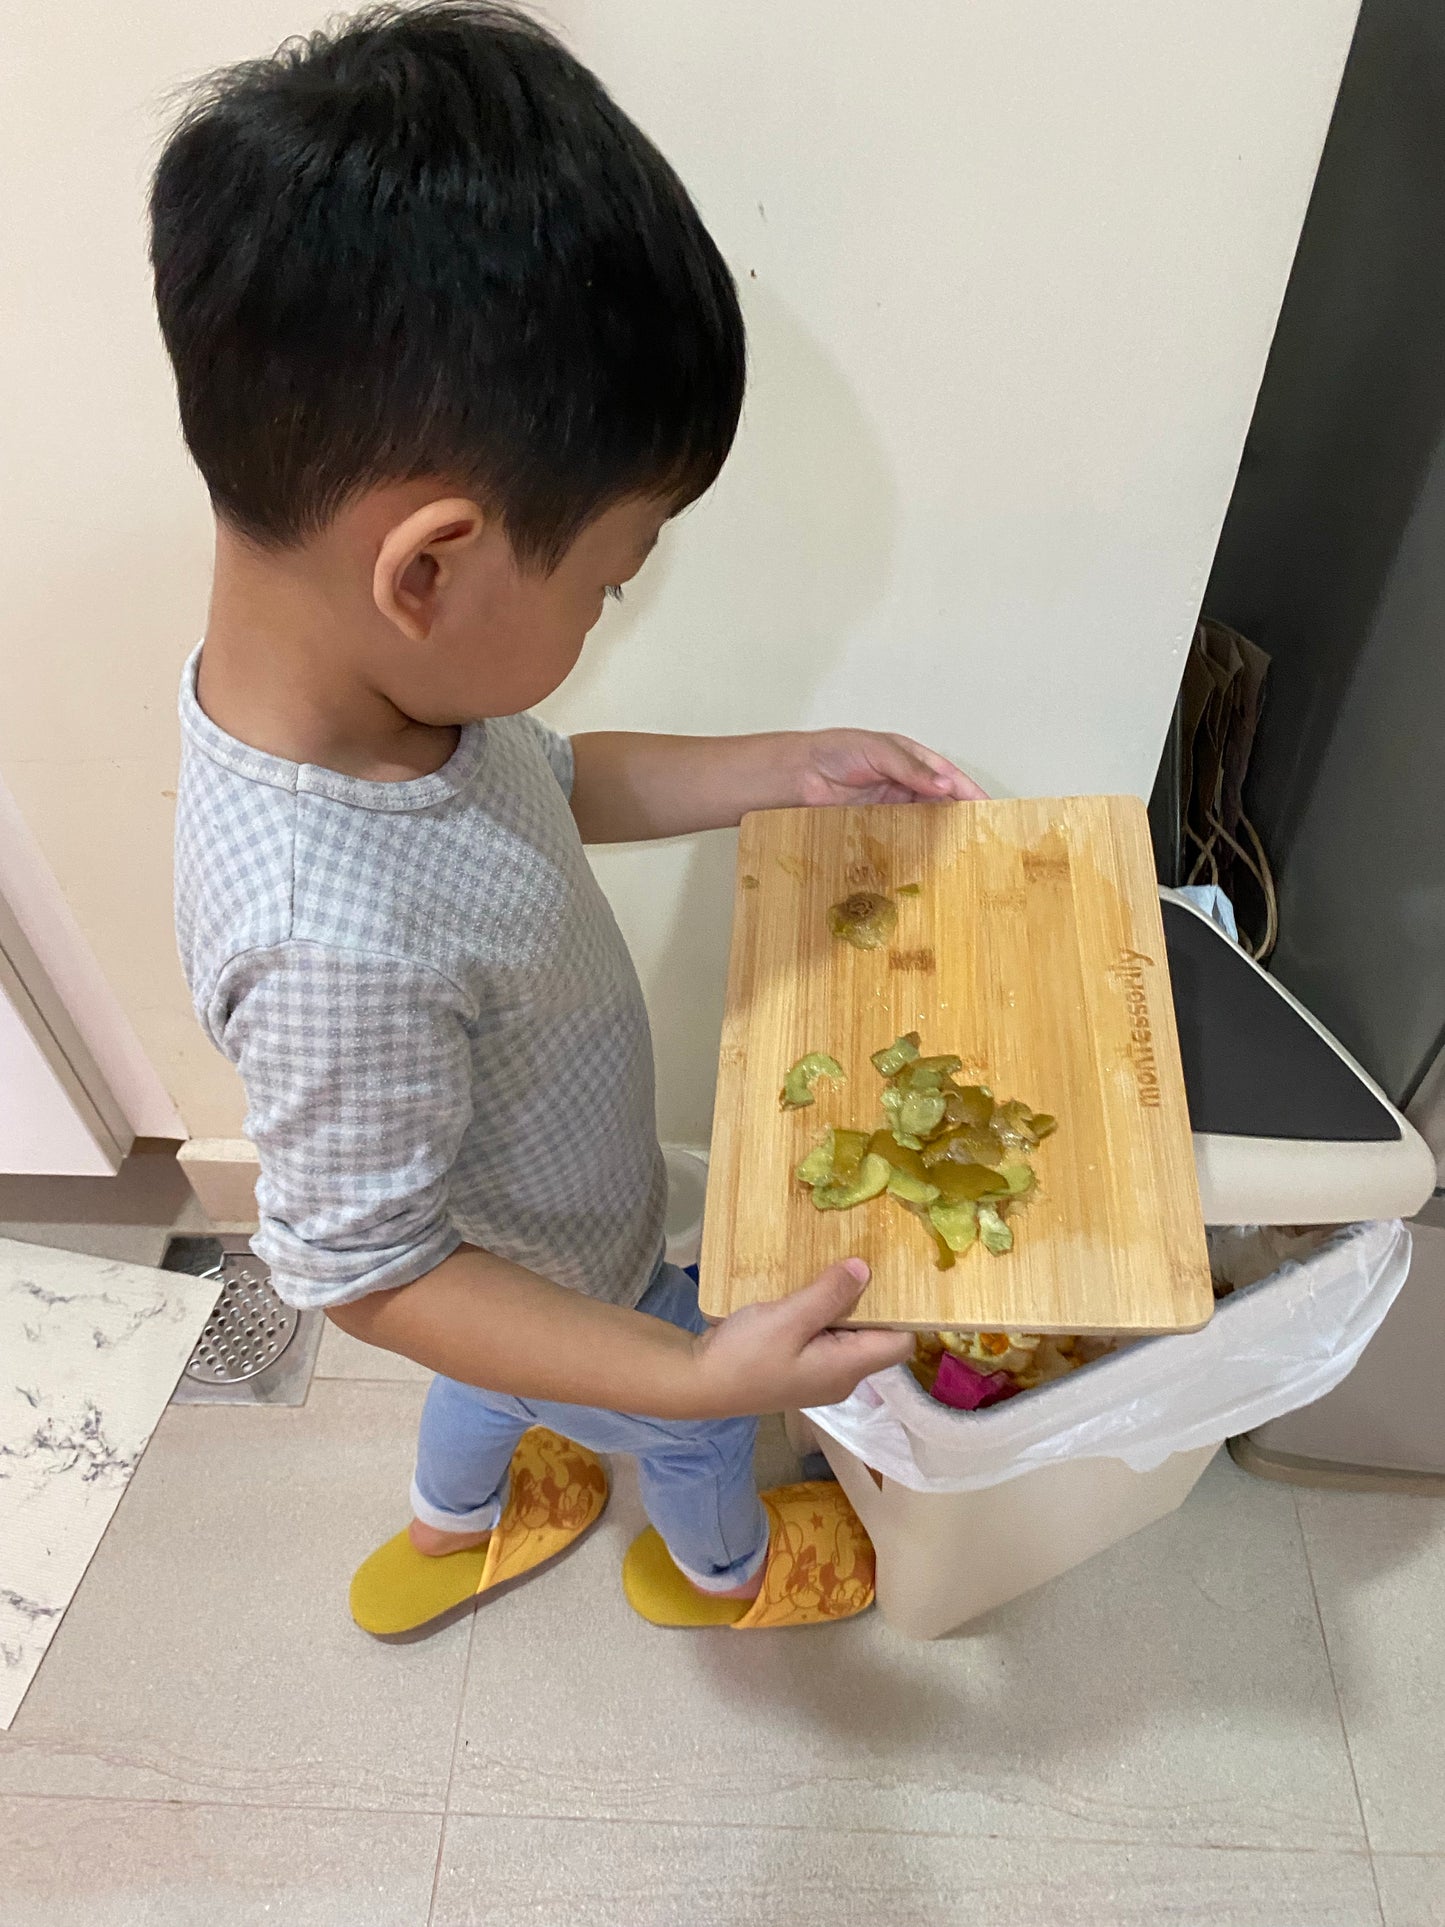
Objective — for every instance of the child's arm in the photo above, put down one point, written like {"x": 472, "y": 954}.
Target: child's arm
{"x": 484, "y": 1321}
{"x": 358, "y": 1073}
{"x": 631, "y": 787}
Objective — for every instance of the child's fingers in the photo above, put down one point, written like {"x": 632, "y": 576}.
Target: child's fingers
{"x": 788, "y": 1352}
{"x": 831, "y": 1296}
{"x": 838, "y": 1361}
{"x": 936, "y": 775}
{"x": 841, "y": 1358}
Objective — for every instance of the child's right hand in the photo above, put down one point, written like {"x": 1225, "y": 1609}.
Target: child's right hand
{"x": 770, "y": 1358}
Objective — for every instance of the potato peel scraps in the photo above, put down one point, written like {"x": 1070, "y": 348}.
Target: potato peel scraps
{"x": 956, "y": 1224}
{"x": 946, "y": 1151}
{"x": 889, "y": 1062}
{"x": 866, "y": 920}
{"x": 798, "y": 1084}
{"x": 871, "y": 1179}
{"x": 994, "y": 1234}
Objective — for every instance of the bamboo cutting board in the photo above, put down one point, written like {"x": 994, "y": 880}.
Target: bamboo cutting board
{"x": 1033, "y": 949}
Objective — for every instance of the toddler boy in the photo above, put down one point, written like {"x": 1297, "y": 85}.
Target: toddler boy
{"x": 452, "y": 347}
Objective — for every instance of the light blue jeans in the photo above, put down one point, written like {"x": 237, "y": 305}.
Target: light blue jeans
{"x": 696, "y": 1475}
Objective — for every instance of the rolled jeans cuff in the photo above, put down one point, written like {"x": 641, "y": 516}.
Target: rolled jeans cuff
{"x": 736, "y": 1575}
{"x": 482, "y": 1518}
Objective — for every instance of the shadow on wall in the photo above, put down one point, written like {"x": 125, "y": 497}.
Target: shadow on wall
{"x": 1351, "y": 407}
{"x": 1332, "y": 559}
{"x": 797, "y": 553}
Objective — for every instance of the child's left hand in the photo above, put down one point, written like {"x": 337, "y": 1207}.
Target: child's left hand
{"x": 627, "y": 787}
{"x": 867, "y": 766}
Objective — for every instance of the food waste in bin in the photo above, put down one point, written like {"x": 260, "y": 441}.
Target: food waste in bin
{"x": 973, "y": 1370}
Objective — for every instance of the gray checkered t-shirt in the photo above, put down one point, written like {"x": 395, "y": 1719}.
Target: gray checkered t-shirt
{"x": 440, "y": 1030}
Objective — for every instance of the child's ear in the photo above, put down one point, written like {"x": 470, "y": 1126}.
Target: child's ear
{"x": 418, "y": 559}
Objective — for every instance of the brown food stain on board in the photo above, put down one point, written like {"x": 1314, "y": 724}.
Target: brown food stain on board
{"x": 1047, "y": 860}
{"x": 922, "y": 960}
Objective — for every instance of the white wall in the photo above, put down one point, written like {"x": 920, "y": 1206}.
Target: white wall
{"x": 29, "y": 889}
{"x": 1011, "y": 270}
{"x": 41, "y": 1129}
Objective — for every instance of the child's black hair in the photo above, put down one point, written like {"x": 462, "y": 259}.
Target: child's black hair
{"x": 429, "y": 243}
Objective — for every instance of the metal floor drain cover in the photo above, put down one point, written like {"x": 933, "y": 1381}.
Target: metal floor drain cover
{"x": 249, "y": 1328}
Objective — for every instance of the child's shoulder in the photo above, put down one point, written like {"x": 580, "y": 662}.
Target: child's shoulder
{"x": 453, "y": 870}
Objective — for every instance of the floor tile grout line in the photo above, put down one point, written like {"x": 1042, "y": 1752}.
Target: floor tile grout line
{"x": 219, "y": 1806}
{"x": 452, "y": 1767}
{"x": 436, "y": 1872}
{"x": 914, "y": 1833}
{"x": 1304, "y": 1539}
{"x": 712, "y": 1826}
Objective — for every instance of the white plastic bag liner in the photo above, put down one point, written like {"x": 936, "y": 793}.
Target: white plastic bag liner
{"x": 1273, "y": 1345}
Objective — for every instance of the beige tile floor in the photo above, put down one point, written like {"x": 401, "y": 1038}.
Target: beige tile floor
{"x": 1237, "y": 1718}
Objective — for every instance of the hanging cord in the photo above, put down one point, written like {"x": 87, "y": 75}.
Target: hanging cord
{"x": 1257, "y": 865}
{"x": 1206, "y": 866}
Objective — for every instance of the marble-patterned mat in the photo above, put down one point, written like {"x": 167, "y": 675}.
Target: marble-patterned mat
{"x": 89, "y": 1353}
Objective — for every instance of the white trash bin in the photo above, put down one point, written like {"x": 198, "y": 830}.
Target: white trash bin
{"x": 686, "y": 1194}
{"x": 945, "y": 1558}
{"x": 967, "y": 1510}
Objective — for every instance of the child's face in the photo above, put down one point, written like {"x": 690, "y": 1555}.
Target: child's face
{"x": 502, "y": 636}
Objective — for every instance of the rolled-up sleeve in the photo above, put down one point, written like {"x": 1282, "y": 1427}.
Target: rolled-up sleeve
{"x": 358, "y": 1088}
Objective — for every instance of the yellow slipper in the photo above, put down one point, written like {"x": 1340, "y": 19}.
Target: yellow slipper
{"x": 819, "y": 1568}
{"x": 557, "y": 1492}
